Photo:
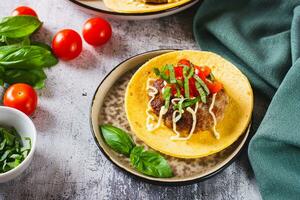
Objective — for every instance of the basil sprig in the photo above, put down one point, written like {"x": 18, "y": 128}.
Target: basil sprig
{"x": 23, "y": 61}
{"x": 146, "y": 162}
{"x": 150, "y": 163}
{"x": 12, "y": 149}
{"x": 25, "y": 64}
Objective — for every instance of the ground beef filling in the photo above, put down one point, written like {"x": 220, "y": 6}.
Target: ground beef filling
{"x": 204, "y": 118}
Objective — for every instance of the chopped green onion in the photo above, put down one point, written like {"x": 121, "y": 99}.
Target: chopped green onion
{"x": 172, "y": 74}
{"x": 201, "y": 92}
{"x": 203, "y": 85}
{"x": 167, "y": 96}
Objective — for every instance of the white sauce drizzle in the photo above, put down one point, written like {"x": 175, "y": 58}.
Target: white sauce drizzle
{"x": 194, "y": 115}
{"x": 216, "y": 133}
{"x": 152, "y": 91}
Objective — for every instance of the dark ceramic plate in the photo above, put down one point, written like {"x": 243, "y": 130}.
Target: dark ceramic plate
{"x": 108, "y": 107}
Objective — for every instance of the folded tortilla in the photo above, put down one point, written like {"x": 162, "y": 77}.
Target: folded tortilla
{"x": 236, "y": 118}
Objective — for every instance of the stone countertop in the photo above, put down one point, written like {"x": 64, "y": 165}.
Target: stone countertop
{"x": 67, "y": 163}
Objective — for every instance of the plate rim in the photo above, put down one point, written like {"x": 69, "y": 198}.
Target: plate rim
{"x": 132, "y": 14}
{"x": 151, "y": 181}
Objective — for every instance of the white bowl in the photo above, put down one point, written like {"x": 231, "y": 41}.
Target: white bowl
{"x": 25, "y": 127}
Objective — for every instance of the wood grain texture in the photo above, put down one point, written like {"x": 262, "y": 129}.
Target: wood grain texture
{"x": 67, "y": 163}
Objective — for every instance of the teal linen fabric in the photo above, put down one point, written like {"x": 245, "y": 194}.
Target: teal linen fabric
{"x": 262, "y": 38}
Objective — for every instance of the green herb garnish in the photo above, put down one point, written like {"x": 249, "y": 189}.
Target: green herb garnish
{"x": 172, "y": 74}
{"x": 146, "y": 162}
{"x": 150, "y": 163}
{"x": 12, "y": 149}
{"x": 187, "y": 103}
{"x": 201, "y": 92}
{"x": 203, "y": 85}
{"x": 167, "y": 96}
{"x": 117, "y": 139}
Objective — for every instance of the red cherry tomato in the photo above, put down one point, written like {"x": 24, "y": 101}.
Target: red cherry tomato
{"x": 96, "y": 31}
{"x": 214, "y": 87}
{"x": 22, "y": 97}
{"x": 184, "y": 62}
{"x": 67, "y": 44}
{"x": 24, "y": 10}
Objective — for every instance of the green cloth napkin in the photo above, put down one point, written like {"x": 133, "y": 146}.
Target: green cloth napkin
{"x": 262, "y": 38}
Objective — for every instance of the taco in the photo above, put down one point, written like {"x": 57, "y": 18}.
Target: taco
{"x": 142, "y": 6}
{"x": 188, "y": 104}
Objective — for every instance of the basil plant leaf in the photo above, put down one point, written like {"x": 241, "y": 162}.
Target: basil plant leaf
{"x": 26, "y": 57}
{"x": 150, "y": 163}
{"x": 117, "y": 139}
{"x": 19, "y": 26}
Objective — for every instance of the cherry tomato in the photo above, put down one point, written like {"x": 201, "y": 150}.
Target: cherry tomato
{"x": 214, "y": 87}
{"x": 22, "y": 97}
{"x": 24, "y": 10}
{"x": 67, "y": 44}
{"x": 96, "y": 31}
{"x": 184, "y": 62}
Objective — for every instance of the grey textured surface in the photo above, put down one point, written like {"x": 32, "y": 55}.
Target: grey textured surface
{"x": 67, "y": 163}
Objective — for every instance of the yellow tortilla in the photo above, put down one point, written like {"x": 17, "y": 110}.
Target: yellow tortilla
{"x": 236, "y": 118}
{"x": 132, "y": 6}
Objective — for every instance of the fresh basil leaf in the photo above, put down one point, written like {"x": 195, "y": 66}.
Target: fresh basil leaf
{"x": 19, "y": 26}
{"x": 26, "y": 57}
{"x": 150, "y": 163}
{"x": 117, "y": 139}
{"x": 35, "y": 78}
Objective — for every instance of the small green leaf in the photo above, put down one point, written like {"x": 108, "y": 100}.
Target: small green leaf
{"x": 150, "y": 163}
{"x": 117, "y": 139}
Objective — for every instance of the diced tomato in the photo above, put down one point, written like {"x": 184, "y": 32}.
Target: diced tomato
{"x": 206, "y": 70}
{"x": 184, "y": 62}
{"x": 202, "y": 72}
{"x": 193, "y": 89}
{"x": 178, "y": 72}
{"x": 214, "y": 87}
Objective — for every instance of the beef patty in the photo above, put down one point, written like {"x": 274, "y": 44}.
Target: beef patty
{"x": 204, "y": 118}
